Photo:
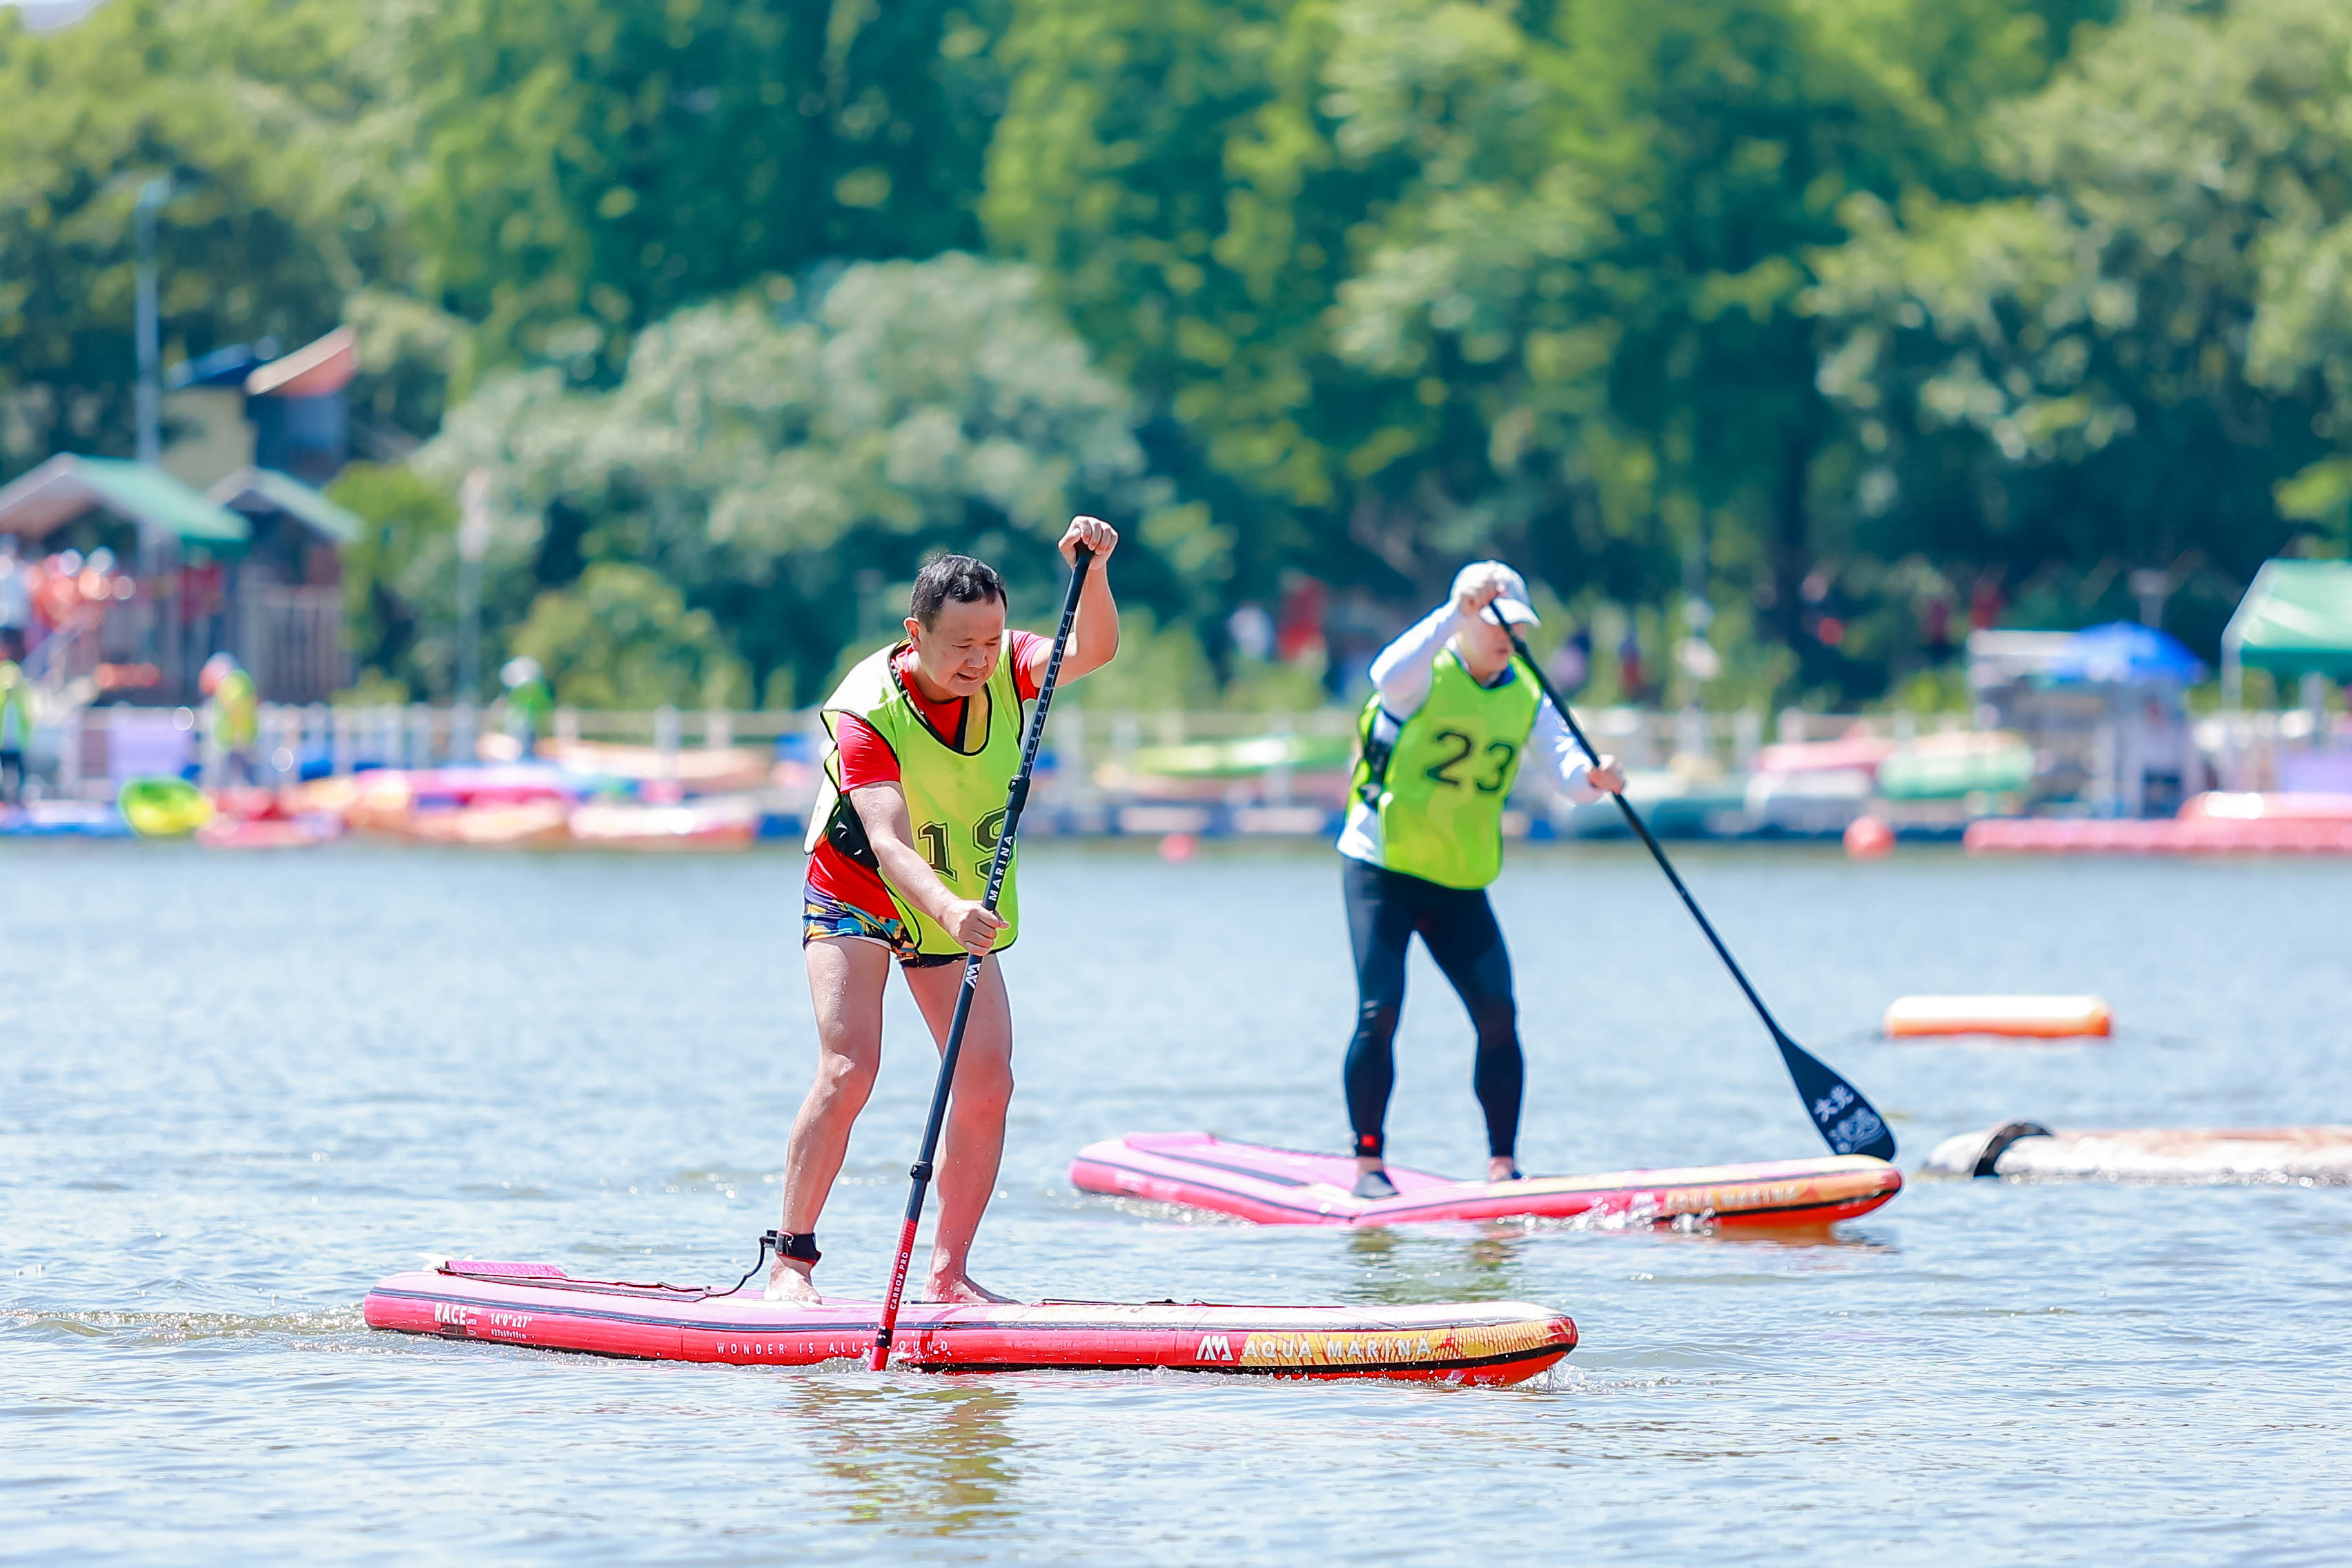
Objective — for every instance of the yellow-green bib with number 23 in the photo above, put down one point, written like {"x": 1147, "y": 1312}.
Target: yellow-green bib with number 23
{"x": 1441, "y": 806}
{"x": 955, "y": 796}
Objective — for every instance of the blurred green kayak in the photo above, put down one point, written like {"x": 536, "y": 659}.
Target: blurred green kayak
{"x": 1948, "y": 767}
{"x": 1243, "y": 759}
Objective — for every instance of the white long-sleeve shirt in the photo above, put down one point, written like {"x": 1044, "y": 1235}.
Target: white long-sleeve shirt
{"x": 1402, "y": 675}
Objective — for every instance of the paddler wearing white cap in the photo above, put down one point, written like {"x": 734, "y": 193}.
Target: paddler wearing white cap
{"x": 1440, "y": 743}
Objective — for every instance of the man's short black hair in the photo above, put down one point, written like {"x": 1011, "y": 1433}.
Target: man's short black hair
{"x": 957, "y": 577}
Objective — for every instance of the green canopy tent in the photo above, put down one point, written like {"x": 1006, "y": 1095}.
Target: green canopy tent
{"x": 261, "y": 491}
{"x": 2295, "y": 620}
{"x": 172, "y": 518}
{"x": 64, "y": 487}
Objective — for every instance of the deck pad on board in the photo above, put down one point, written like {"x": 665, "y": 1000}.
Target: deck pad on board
{"x": 1290, "y": 1186}
{"x": 539, "y": 1305}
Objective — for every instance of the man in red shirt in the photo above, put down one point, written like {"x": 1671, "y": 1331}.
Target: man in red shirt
{"x": 919, "y": 733}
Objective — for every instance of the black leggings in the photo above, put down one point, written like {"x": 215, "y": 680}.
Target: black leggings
{"x": 1385, "y": 909}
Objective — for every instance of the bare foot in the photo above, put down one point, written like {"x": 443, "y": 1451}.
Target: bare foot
{"x": 789, "y": 1283}
{"x": 959, "y": 1291}
{"x": 1502, "y": 1168}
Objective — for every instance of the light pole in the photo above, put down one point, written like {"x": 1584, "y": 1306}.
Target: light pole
{"x": 473, "y": 543}
{"x": 154, "y": 545}
{"x": 152, "y": 195}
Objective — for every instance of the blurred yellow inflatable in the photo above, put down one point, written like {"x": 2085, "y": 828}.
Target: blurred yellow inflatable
{"x": 163, "y": 807}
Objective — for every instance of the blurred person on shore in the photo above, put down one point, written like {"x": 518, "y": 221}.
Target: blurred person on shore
{"x": 1451, "y": 715}
{"x": 55, "y": 582}
{"x": 1571, "y": 667}
{"x": 16, "y": 715}
{"x": 1632, "y": 680}
{"x": 530, "y": 702}
{"x": 16, "y": 596}
{"x": 232, "y": 715}
{"x": 924, "y": 741}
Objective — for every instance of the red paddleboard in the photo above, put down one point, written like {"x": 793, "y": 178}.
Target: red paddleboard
{"x": 1288, "y": 1186}
{"x": 537, "y": 1304}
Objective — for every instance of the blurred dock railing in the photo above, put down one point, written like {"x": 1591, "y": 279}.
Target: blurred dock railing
{"x": 311, "y": 738}
{"x": 1122, "y": 771}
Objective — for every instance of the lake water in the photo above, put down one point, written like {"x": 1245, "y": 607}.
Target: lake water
{"x": 236, "y": 1090}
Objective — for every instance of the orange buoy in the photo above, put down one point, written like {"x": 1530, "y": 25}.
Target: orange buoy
{"x": 1869, "y": 838}
{"x": 2028, "y": 1017}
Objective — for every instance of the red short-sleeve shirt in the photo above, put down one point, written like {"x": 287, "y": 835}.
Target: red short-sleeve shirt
{"x": 868, "y": 759}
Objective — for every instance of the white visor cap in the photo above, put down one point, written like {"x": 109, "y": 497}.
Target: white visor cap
{"x": 1513, "y": 600}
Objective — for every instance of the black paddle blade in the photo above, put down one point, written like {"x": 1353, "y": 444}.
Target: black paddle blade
{"x": 1848, "y": 1123}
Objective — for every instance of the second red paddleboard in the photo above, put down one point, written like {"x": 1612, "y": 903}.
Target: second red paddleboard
{"x": 1289, "y": 1187}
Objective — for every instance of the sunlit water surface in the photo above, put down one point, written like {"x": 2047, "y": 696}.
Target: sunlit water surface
{"x": 236, "y": 1090}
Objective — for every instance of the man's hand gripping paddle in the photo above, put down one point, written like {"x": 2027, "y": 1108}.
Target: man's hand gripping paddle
{"x": 1017, "y": 798}
{"x": 1848, "y": 1123}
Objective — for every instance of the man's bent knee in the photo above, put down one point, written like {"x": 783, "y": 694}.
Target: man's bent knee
{"x": 980, "y": 1086}
{"x": 843, "y": 1082}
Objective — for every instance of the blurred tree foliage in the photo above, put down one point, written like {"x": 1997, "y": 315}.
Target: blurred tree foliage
{"x": 470, "y": 183}
{"x": 621, "y": 636}
{"x": 2143, "y": 356}
{"x": 1439, "y": 276}
{"x": 1606, "y": 247}
{"x": 588, "y": 166}
{"x": 244, "y": 245}
{"x": 1856, "y": 318}
{"x": 1166, "y": 163}
{"x": 282, "y": 130}
{"x": 400, "y": 626}
{"x": 787, "y": 456}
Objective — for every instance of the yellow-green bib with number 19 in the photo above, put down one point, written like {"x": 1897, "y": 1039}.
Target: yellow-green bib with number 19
{"x": 1449, "y": 772}
{"x": 955, "y": 787}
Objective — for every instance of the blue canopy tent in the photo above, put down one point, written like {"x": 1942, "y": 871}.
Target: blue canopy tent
{"x": 2103, "y": 709}
{"x": 2124, "y": 653}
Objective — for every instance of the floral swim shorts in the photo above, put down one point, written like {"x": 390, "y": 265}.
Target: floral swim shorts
{"x": 825, "y": 918}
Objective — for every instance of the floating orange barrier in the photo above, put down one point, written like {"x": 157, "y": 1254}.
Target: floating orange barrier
{"x": 2027, "y": 1017}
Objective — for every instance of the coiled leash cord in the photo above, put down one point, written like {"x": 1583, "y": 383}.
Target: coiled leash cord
{"x": 801, "y": 1248}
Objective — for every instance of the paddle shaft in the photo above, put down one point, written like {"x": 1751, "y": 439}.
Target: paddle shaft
{"x": 1846, "y": 1122}
{"x": 1015, "y": 801}
{"x": 1642, "y": 830}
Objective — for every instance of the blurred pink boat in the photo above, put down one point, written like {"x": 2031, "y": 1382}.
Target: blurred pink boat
{"x": 720, "y": 823}
{"x": 2268, "y": 834}
{"x": 2222, "y": 806}
{"x": 704, "y": 771}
